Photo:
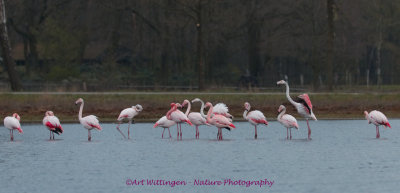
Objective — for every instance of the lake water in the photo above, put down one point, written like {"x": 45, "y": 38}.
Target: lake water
{"x": 343, "y": 156}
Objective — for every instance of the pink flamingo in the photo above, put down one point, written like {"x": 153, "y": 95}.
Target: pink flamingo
{"x": 287, "y": 121}
{"x": 178, "y": 117}
{"x": 164, "y": 123}
{"x": 219, "y": 121}
{"x": 303, "y": 106}
{"x": 89, "y": 122}
{"x": 52, "y": 123}
{"x": 196, "y": 118}
{"x": 254, "y": 117}
{"x": 128, "y": 114}
{"x": 377, "y": 118}
{"x": 12, "y": 123}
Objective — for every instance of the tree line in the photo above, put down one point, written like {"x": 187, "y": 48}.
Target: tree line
{"x": 204, "y": 43}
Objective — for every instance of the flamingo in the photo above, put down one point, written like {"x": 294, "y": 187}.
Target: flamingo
{"x": 222, "y": 109}
{"x": 303, "y": 106}
{"x": 219, "y": 121}
{"x": 164, "y": 123}
{"x": 89, "y": 122}
{"x": 287, "y": 121}
{"x": 12, "y": 123}
{"x": 377, "y": 118}
{"x": 52, "y": 123}
{"x": 128, "y": 114}
{"x": 196, "y": 118}
{"x": 178, "y": 117}
{"x": 254, "y": 117}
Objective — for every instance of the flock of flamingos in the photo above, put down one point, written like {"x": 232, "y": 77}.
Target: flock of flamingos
{"x": 217, "y": 116}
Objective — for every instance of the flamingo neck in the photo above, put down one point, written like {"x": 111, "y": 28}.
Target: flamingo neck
{"x": 288, "y": 96}
{"x": 202, "y": 109}
{"x": 188, "y": 109}
{"x": 281, "y": 113}
{"x": 80, "y": 111}
{"x": 245, "y": 114}
{"x": 209, "y": 114}
{"x": 170, "y": 111}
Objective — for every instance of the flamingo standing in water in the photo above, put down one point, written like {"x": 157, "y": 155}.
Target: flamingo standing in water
{"x": 287, "y": 121}
{"x": 52, "y": 123}
{"x": 377, "y": 118}
{"x": 254, "y": 117}
{"x": 196, "y": 118}
{"x": 89, "y": 122}
{"x": 12, "y": 123}
{"x": 178, "y": 117}
{"x": 303, "y": 106}
{"x": 164, "y": 123}
{"x": 128, "y": 114}
{"x": 219, "y": 121}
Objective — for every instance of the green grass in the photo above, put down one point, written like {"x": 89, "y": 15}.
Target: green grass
{"x": 107, "y": 107}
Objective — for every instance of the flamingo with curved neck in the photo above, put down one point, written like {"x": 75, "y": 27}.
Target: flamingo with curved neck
{"x": 218, "y": 121}
{"x": 178, "y": 117}
{"x": 287, "y": 121}
{"x": 254, "y": 117}
{"x": 304, "y": 108}
{"x": 196, "y": 118}
{"x": 201, "y": 108}
{"x": 89, "y": 122}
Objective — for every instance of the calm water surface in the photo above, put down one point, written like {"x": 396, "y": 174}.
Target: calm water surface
{"x": 343, "y": 156}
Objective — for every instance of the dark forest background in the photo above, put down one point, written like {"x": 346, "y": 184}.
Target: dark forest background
{"x": 203, "y": 44}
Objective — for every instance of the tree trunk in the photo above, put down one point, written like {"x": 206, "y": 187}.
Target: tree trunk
{"x": 331, "y": 37}
{"x": 6, "y": 48}
{"x": 378, "y": 54}
{"x": 200, "y": 64}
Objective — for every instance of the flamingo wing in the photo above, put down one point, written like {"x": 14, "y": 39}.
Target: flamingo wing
{"x": 379, "y": 118}
{"x": 12, "y": 123}
{"x": 127, "y": 113}
{"x": 257, "y": 117}
{"x": 197, "y": 119}
{"x": 290, "y": 121}
{"x": 92, "y": 122}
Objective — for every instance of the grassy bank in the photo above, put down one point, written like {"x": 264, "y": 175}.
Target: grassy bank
{"x": 107, "y": 106}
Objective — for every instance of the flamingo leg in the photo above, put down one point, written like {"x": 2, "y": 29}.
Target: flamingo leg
{"x": 89, "y": 136}
{"x": 120, "y": 130}
{"x": 169, "y": 133}
{"x": 11, "y": 135}
{"x": 309, "y": 130}
{"x": 377, "y": 132}
{"x": 129, "y": 125}
{"x": 162, "y": 136}
{"x": 180, "y": 129}
{"x": 287, "y": 133}
{"x": 290, "y": 131}
{"x": 53, "y": 135}
{"x": 255, "y": 135}
{"x": 197, "y": 131}
{"x": 177, "y": 131}
{"x": 50, "y": 134}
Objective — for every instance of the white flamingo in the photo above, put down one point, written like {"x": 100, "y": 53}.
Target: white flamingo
{"x": 163, "y": 122}
{"x": 89, "y": 122}
{"x": 128, "y": 114}
{"x": 52, "y": 123}
{"x": 254, "y": 117}
{"x": 196, "y": 118}
{"x": 303, "y": 106}
{"x": 287, "y": 121}
{"x": 12, "y": 123}
{"x": 377, "y": 118}
{"x": 222, "y": 109}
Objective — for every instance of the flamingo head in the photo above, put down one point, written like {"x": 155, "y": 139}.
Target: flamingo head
{"x": 172, "y": 105}
{"x": 366, "y": 114}
{"x": 280, "y": 82}
{"x": 208, "y": 104}
{"x": 15, "y": 115}
{"x": 49, "y": 113}
{"x": 178, "y": 105}
{"x": 80, "y": 100}
{"x": 138, "y": 108}
{"x": 185, "y": 102}
{"x": 196, "y": 100}
{"x": 247, "y": 106}
{"x": 281, "y": 108}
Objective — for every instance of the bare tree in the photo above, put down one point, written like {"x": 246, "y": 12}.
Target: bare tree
{"x": 6, "y": 48}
